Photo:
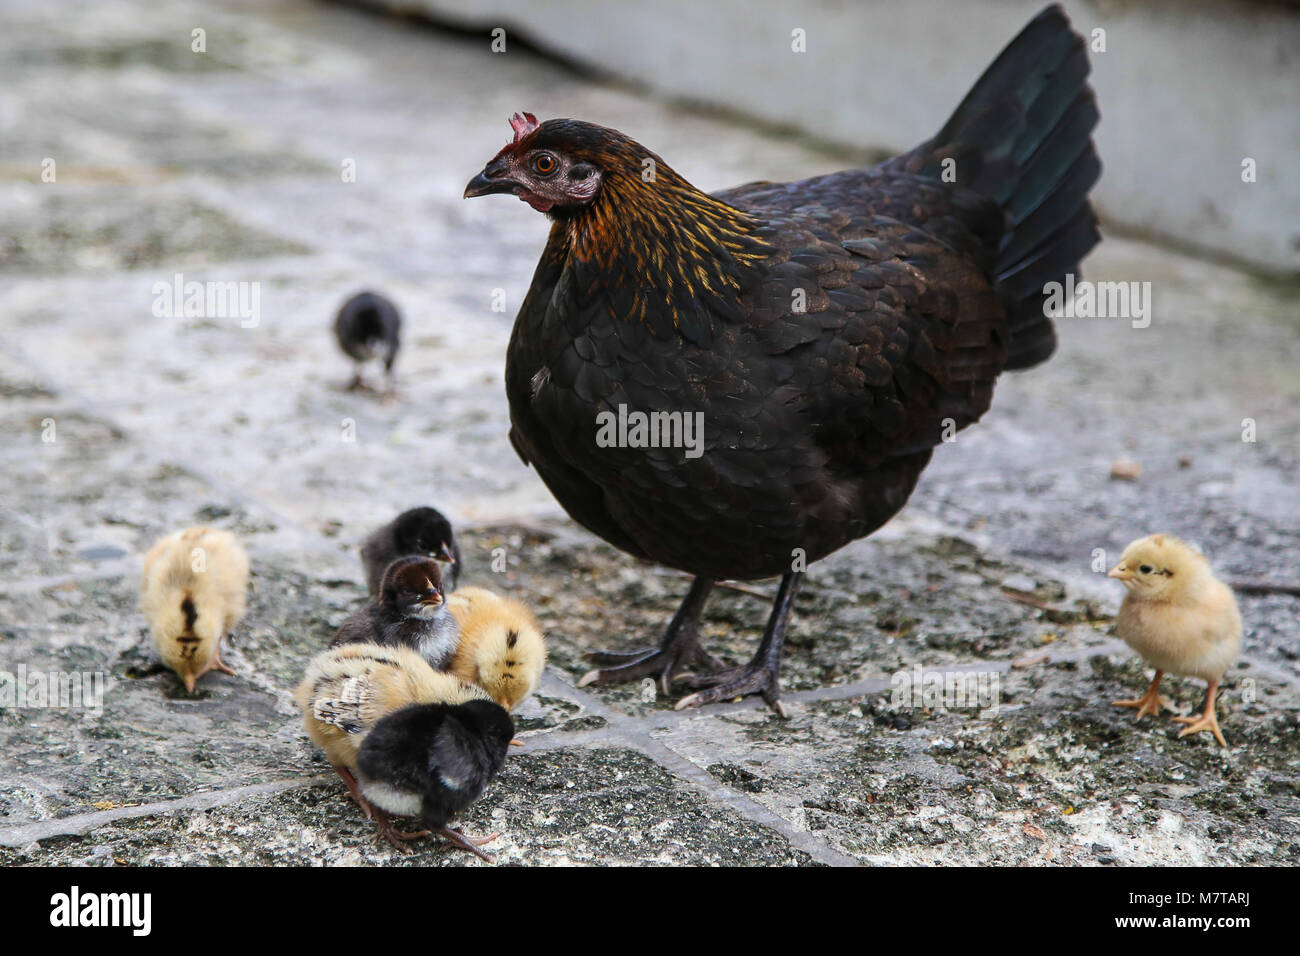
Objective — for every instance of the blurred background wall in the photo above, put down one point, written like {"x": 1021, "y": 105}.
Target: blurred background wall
{"x": 1190, "y": 90}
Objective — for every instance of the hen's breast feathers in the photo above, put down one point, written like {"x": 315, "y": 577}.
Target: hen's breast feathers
{"x": 847, "y": 350}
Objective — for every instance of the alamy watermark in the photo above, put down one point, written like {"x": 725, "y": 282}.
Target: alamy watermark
{"x": 53, "y": 689}
{"x": 624, "y": 429}
{"x": 1098, "y": 300}
{"x": 952, "y": 690}
{"x": 179, "y": 299}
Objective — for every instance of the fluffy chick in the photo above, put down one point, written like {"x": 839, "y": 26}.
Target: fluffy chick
{"x": 368, "y": 325}
{"x": 1180, "y": 618}
{"x": 501, "y": 648}
{"x": 433, "y": 761}
{"x": 419, "y": 531}
{"x": 350, "y": 692}
{"x": 410, "y": 611}
{"x": 193, "y": 592}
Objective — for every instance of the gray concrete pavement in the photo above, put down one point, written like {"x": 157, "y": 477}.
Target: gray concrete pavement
{"x": 226, "y": 166}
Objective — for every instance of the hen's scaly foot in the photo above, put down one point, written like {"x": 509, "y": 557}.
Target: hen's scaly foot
{"x": 468, "y": 844}
{"x": 679, "y": 650}
{"x": 665, "y": 664}
{"x": 762, "y": 675}
{"x": 733, "y": 682}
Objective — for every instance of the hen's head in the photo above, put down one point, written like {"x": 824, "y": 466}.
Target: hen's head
{"x": 558, "y": 166}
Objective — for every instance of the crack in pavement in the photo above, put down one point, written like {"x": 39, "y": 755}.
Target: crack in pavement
{"x": 26, "y": 833}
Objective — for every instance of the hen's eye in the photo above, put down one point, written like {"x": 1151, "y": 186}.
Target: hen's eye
{"x": 544, "y": 163}
{"x": 1145, "y": 569}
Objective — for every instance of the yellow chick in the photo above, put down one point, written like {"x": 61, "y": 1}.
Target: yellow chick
{"x": 348, "y": 689}
{"x": 193, "y": 592}
{"x": 501, "y": 648}
{"x": 1180, "y": 618}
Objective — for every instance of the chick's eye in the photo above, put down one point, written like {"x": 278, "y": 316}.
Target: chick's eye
{"x": 545, "y": 163}
{"x": 1145, "y": 569}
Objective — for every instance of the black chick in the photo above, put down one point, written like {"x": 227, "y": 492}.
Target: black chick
{"x": 434, "y": 760}
{"x": 409, "y": 611}
{"x": 798, "y": 350}
{"x": 419, "y": 531}
{"x": 368, "y": 325}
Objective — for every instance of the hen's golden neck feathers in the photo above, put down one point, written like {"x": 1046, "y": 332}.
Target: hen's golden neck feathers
{"x": 658, "y": 249}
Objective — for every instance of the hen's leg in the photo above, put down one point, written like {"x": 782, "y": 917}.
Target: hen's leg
{"x": 1148, "y": 703}
{"x": 679, "y": 649}
{"x": 1206, "y": 721}
{"x": 762, "y": 675}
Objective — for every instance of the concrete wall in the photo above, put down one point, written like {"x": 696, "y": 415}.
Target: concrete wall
{"x": 1188, "y": 88}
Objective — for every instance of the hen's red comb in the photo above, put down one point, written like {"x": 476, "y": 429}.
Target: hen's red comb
{"x": 523, "y": 124}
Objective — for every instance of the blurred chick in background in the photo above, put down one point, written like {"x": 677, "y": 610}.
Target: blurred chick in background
{"x": 193, "y": 592}
{"x": 368, "y": 325}
{"x": 1180, "y": 618}
{"x": 501, "y": 648}
{"x": 438, "y": 737}
{"x": 410, "y": 611}
{"x": 419, "y": 531}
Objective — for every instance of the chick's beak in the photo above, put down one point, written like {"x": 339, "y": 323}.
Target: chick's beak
{"x": 189, "y": 683}
{"x": 444, "y": 554}
{"x": 1118, "y": 572}
{"x": 493, "y": 179}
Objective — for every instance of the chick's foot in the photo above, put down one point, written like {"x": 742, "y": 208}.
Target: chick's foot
{"x": 1149, "y": 703}
{"x": 466, "y": 843}
{"x": 679, "y": 651}
{"x": 1205, "y": 721}
{"x": 398, "y": 838}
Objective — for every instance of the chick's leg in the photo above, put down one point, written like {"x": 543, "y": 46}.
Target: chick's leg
{"x": 217, "y": 664}
{"x": 1207, "y": 720}
{"x": 679, "y": 649}
{"x": 468, "y": 844}
{"x": 1148, "y": 703}
{"x": 353, "y": 788}
{"x": 762, "y": 675}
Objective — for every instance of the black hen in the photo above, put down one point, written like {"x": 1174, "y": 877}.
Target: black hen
{"x": 368, "y": 325}
{"x": 433, "y": 761}
{"x": 825, "y": 334}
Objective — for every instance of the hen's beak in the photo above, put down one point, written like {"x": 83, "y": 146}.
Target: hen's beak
{"x": 492, "y": 180}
